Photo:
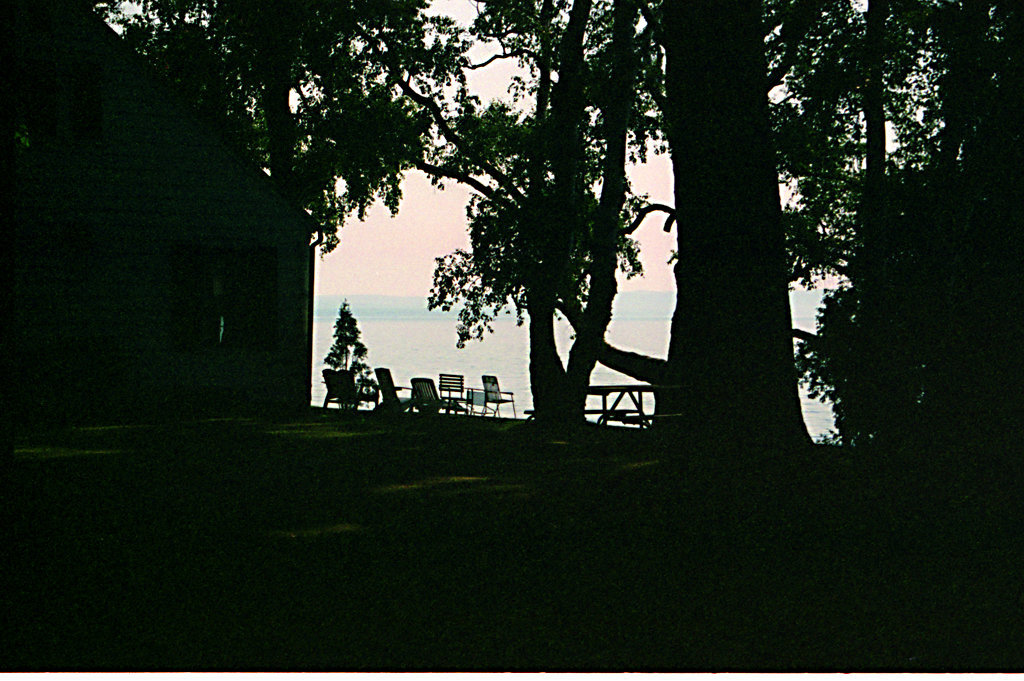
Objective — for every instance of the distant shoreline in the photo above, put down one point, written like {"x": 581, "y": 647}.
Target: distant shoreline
{"x": 629, "y": 305}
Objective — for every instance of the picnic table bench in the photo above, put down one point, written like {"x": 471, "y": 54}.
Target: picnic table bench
{"x": 615, "y": 408}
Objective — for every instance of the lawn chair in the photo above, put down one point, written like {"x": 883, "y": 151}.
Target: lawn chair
{"x": 452, "y": 389}
{"x": 341, "y": 388}
{"x": 389, "y": 399}
{"x": 492, "y": 394}
{"x": 425, "y": 398}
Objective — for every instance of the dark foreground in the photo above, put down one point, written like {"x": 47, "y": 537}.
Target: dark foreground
{"x": 335, "y": 542}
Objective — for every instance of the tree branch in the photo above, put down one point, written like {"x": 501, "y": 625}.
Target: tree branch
{"x": 647, "y": 210}
{"x": 439, "y": 119}
{"x": 490, "y": 60}
{"x": 633, "y": 364}
{"x": 504, "y": 54}
{"x": 464, "y": 178}
{"x": 800, "y": 334}
{"x": 454, "y": 138}
{"x": 535, "y": 166}
{"x": 572, "y": 314}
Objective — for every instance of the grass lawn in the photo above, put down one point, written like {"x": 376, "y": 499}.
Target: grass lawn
{"x": 355, "y": 542}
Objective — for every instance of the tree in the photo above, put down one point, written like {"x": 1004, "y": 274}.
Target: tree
{"x": 730, "y": 341}
{"x": 544, "y": 239}
{"x": 731, "y": 269}
{"x": 348, "y": 352}
{"x": 731, "y": 331}
{"x": 935, "y": 239}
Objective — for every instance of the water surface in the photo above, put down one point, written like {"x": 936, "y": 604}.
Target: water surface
{"x": 402, "y": 335}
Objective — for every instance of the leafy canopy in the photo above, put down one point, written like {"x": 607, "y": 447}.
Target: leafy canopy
{"x": 348, "y": 137}
{"x": 524, "y": 227}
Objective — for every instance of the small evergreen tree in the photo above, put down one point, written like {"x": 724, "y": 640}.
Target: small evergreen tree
{"x": 348, "y": 351}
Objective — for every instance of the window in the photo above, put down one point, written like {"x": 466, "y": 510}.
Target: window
{"x": 224, "y": 298}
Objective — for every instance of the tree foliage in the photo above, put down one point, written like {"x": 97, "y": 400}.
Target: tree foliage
{"x": 510, "y": 152}
{"x": 548, "y": 222}
{"x": 348, "y": 352}
{"x": 913, "y": 343}
{"x": 290, "y": 84}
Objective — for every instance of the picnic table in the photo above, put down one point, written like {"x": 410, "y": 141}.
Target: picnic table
{"x": 615, "y": 406}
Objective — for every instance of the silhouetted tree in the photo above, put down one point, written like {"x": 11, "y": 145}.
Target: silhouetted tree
{"x": 348, "y": 352}
{"x": 912, "y": 348}
{"x": 543, "y": 238}
{"x": 731, "y": 331}
{"x": 730, "y": 344}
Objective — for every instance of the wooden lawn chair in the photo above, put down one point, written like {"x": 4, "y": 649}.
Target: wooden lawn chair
{"x": 425, "y": 398}
{"x": 389, "y": 398}
{"x": 452, "y": 389}
{"x": 341, "y": 388}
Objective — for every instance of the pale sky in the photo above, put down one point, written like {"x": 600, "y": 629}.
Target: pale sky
{"x": 395, "y": 256}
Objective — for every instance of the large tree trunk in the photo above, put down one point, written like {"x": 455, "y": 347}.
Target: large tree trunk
{"x": 553, "y": 224}
{"x": 731, "y": 346}
{"x": 552, "y": 400}
{"x": 280, "y": 130}
{"x": 276, "y": 43}
{"x": 616, "y": 111}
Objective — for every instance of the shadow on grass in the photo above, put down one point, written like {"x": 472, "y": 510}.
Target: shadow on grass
{"x": 350, "y": 542}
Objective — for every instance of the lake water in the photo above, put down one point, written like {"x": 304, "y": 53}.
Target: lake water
{"x": 402, "y": 335}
